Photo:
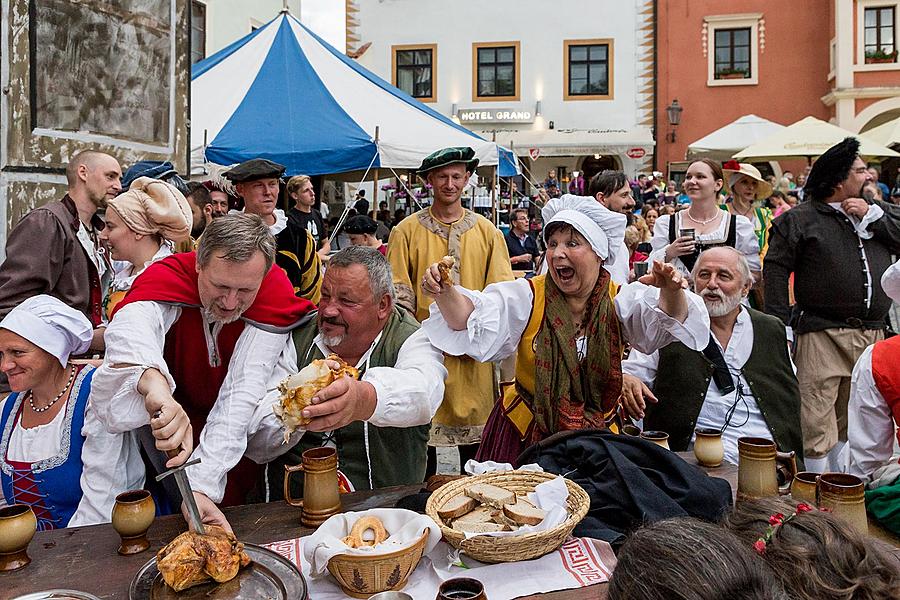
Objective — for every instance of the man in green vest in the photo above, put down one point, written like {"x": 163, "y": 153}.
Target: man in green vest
{"x": 743, "y": 379}
{"x": 379, "y": 423}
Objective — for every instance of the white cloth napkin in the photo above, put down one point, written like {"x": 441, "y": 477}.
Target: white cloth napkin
{"x": 404, "y": 528}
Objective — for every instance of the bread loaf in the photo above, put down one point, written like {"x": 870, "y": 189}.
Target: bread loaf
{"x": 457, "y": 506}
{"x": 491, "y": 495}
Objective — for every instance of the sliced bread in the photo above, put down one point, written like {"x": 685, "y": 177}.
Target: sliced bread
{"x": 457, "y": 506}
{"x": 524, "y": 513}
{"x": 489, "y": 527}
{"x": 491, "y": 495}
{"x": 482, "y": 514}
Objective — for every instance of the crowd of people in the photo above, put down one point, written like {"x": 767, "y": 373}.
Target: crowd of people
{"x": 160, "y": 330}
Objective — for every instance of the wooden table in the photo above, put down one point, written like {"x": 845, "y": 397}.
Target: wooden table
{"x": 85, "y": 558}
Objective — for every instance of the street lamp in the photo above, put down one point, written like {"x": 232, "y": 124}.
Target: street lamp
{"x": 673, "y": 112}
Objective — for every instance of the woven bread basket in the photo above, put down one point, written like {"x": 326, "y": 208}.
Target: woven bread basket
{"x": 361, "y": 575}
{"x": 490, "y": 549}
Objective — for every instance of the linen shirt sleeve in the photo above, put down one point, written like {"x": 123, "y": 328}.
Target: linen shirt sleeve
{"x": 648, "y": 328}
{"x": 643, "y": 366}
{"x": 747, "y": 243}
{"x": 223, "y": 440}
{"x": 265, "y": 434}
{"x": 870, "y": 426}
{"x": 410, "y": 392}
{"x": 111, "y": 464}
{"x": 890, "y": 281}
{"x": 660, "y": 239}
{"x": 135, "y": 340}
{"x": 495, "y": 326}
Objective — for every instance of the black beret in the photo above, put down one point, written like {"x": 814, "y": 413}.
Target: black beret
{"x": 253, "y": 169}
{"x": 361, "y": 224}
{"x": 827, "y": 170}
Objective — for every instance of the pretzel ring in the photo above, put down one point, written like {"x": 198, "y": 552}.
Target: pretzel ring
{"x": 355, "y": 539}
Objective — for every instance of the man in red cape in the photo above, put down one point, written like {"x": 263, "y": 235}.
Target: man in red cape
{"x": 191, "y": 351}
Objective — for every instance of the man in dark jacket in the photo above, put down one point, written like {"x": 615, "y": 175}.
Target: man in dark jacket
{"x": 521, "y": 246}
{"x": 743, "y": 379}
{"x": 56, "y": 249}
{"x": 837, "y": 245}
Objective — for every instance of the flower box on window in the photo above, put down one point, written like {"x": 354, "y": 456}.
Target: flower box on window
{"x": 880, "y": 57}
{"x": 732, "y": 74}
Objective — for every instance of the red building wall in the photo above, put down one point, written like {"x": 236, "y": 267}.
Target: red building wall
{"x": 792, "y": 72}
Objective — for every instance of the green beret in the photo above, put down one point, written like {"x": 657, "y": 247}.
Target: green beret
{"x": 253, "y": 169}
{"x": 449, "y": 156}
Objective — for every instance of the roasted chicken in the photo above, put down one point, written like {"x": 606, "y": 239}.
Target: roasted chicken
{"x": 297, "y": 391}
{"x": 192, "y": 559}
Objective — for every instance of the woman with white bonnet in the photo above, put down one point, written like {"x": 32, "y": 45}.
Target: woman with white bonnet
{"x": 49, "y": 437}
{"x": 142, "y": 226}
{"x": 569, "y": 328}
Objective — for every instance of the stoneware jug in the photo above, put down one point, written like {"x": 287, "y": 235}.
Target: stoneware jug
{"x": 321, "y": 497}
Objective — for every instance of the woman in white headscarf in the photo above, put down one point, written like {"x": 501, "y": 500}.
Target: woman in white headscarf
{"x": 142, "y": 226}
{"x": 48, "y": 433}
{"x": 569, "y": 328}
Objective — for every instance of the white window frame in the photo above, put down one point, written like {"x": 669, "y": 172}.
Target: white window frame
{"x": 715, "y": 22}
{"x": 860, "y": 49}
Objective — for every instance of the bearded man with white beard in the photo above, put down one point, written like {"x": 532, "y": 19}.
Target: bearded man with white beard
{"x": 743, "y": 382}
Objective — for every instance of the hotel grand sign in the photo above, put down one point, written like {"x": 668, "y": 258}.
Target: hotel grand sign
{"x": 494, "y": 115}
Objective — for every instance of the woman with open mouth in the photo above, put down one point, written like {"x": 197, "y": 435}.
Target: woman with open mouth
{"x": 569, "y": 328}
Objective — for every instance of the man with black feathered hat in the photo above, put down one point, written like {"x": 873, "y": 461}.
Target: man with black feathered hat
{"x": 837, "y": 245}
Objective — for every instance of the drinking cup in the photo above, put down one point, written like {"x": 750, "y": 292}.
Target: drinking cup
{"x": 641, "y": 268}
{"x": 803, "y": 488}
{"x": 461, "y": 588}
{"x": 708, "y": 447}
{"x": 632, "y": 430}
{"x": 660, "y": 438}
{"x": 132, "y": 515}
{"x": 844, "y": 495}
{"x": 17, "y": 526}
{"x": 321, "y": 495}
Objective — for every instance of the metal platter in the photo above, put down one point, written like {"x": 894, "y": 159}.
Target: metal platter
{"x": 269, "y": 576}
{"x": 57, "y": 595}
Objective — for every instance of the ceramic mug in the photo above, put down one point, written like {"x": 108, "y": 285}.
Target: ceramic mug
{"x": 660, "y": 438}
{"x": 803, "y": 487}
{"x": 708, "y": 447}
{"x": 17, "y": 526}
{"x": 632, "y": 430}
{"x": 844, "y": 495}
{"x": 461, "y": 588}
{"x": 132, "y": 515}
{"x": 763, "y": 471}
{"x": 321, "y": 495}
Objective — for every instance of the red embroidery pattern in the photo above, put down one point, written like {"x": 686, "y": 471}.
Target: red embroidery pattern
{"x": 290, "y": 549}
{"x": 582, "y": 562}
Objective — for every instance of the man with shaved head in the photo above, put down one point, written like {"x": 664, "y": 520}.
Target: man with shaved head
{"x": 743, "y": 382}
{"x": 56, "y": 249}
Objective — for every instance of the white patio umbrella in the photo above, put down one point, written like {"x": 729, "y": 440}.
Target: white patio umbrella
{"x": 808, "y": 138}
{"x": 724, "y": 142}
{"x": 886, "y": 134}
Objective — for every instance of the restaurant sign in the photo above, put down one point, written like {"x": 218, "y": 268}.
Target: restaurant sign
{"x": 494, "y": 115}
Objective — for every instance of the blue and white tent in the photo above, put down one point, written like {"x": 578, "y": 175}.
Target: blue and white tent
{"x": 285, "y": 94}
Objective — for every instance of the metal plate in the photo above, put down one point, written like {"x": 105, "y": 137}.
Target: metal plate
{"x": 58, "y": 595}
{"x": 269, "y": 576}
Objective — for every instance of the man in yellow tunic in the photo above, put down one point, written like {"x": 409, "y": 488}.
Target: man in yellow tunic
{"x": 420, "y": 240}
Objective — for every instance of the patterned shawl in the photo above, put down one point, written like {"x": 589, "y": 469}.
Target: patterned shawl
{"x": 572, "y": 394}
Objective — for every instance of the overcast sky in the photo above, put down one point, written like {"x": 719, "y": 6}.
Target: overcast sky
{"x": 326, "y": 18}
